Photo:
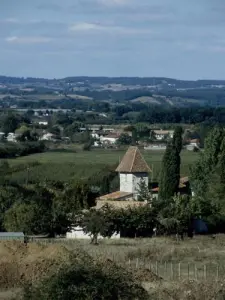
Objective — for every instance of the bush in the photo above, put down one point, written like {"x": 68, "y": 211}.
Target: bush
{"x": 9, "y": 150}
{"x": 85, "y": 281}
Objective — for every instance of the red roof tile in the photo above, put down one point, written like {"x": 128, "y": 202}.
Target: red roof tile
{"x": 133, "y": 162}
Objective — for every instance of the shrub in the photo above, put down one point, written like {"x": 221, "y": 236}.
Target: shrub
{"x": 85, "y": 281}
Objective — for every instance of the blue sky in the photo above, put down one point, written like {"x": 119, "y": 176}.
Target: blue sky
{"x": 57, "y": 38}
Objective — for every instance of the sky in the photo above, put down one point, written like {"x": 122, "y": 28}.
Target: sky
{"x": 167, "y": 38}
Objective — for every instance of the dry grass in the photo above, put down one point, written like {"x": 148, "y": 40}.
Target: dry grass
{"x": 195, "y": 253}
{"x": 198, "y": 251}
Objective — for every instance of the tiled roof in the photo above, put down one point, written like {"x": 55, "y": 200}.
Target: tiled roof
{"x": 183, "y": 183}
{"x": 112, "y": 135}
{"x": 119, "y": 204}
{"x": 163, "y": 132}
{"x": 116, "y": 196}
{"x": 133, "y": 162}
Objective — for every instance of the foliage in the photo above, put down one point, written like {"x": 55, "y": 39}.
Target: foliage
{"x": 86, "y": 280}
{"x": 96, "y": 223}
{"x": 138, "y": 221}
{"x": 176, "y": 215}
{"x": 177, "y": 138}
{"x": 143, "y": 192}
{"x": 29, "y": 136}
{"x": 87, "y": 145}
{"x": 31, "y": 214}
{"x": 55, "y": 130}
{"x": 124, "y": 139}
{"x": 73, "y": 128}
{"x": 170, "y": 173}
{"x": 10, "y": 123}
{"x": 43, "y": 209}
{"x": 208, "y": 161}
{"x": 9, "y": 150}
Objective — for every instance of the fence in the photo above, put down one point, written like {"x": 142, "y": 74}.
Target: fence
{"x": 170, "y": 270}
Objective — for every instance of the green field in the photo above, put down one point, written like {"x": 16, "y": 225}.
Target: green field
{"x": 65, "y": 166}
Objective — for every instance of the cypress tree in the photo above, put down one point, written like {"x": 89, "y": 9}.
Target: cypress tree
{"x": 177, "y": 138}
{"x": 170, "y": 173}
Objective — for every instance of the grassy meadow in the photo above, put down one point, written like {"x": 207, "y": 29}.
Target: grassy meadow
{"x": 69, "y": 165}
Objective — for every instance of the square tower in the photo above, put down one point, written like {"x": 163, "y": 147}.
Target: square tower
{"x": 132, "y": 170}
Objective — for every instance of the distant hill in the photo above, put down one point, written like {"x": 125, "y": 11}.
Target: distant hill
{"x": 137, "y": 90}
{"x": 142, "y": 81}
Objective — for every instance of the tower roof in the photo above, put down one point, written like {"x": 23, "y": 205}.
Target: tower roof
{"x": 133, "y": 162}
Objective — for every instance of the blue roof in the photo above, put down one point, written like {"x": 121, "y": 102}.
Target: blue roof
{"x": 14, "y": 234}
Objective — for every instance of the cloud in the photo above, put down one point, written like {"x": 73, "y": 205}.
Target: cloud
{"x": 85, "y": 27}
{"x": 28, "y": 40}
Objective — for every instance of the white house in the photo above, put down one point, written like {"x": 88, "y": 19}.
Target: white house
{"x": 155, "y": 147}
{"x": 11, "y": 137}
{"x": 78, "y": 233}
{"x": 47, "y": 137}
{"x": 45, "y": 123}
{"x": 163, "y": 134}
{"x": 111, "y": 138}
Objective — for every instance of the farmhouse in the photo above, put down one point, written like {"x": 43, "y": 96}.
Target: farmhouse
{"x": 110, "y": 138}
{"x": 163, "y": 134}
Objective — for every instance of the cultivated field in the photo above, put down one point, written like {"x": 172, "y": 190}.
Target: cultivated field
{"x": 66, "y": 165}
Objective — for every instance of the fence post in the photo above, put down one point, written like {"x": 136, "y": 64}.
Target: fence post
{"x": 137, "y": 263}
{"x": 188, "y": 271}
{"x": 156, "y": 268}
{"x": 165, "y": 269}
{"x": 196, "y": 273}
{"x": 171, "y": 270}
{"x": 179, "y": 270}
{"x": 205, "y": 272}
{"x": 217, "y": 272}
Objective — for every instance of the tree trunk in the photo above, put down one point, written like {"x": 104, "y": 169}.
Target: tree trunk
{"x": 94, "y": 239}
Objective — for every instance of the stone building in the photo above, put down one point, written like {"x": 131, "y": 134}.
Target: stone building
{"x": 132, "y": 170}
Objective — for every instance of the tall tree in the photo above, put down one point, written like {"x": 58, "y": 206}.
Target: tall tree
{"x": 170, "y": 173}
{"x": 177, "y": 138}
{"x": 10, "y": 123}
{"x": 143, "y": 192}
{"x": 213, "y": 144}
{"x": 208, "y": 161}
